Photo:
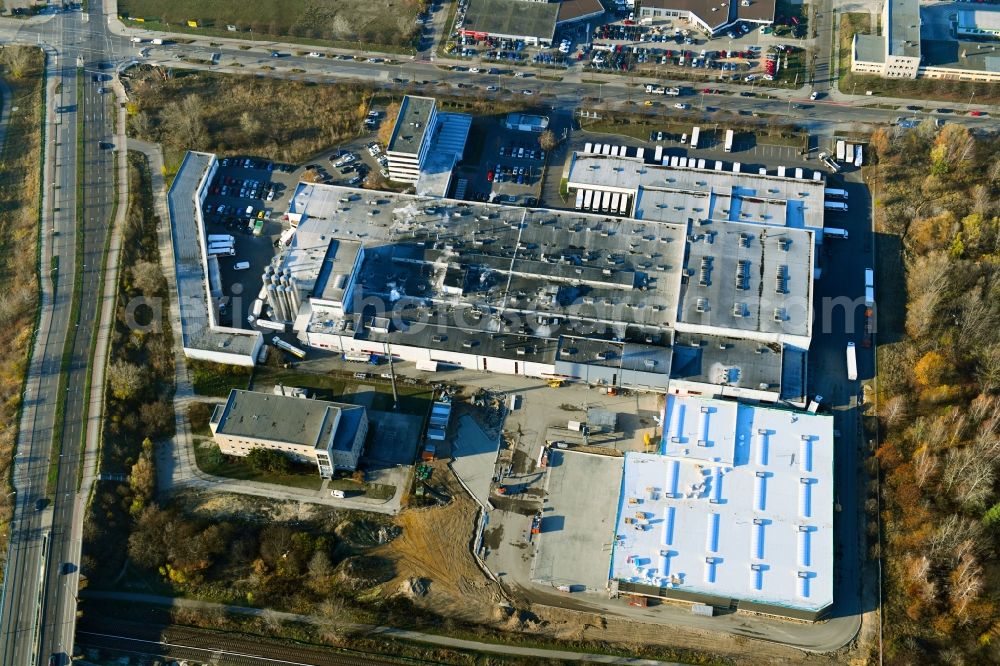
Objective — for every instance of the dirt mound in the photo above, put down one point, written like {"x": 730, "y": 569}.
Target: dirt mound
{"x": 414, "y": 587}
{"x": 366, "y": 533}
{"x": 363, "y": 571}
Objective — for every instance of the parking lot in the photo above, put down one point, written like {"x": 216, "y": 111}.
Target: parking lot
{"x": 653, "y": 47}
{"x": 508, "y": 167}
{"x": 240, "y": 204}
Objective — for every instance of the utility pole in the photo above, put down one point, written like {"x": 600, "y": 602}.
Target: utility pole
{"x": 392, "y": 375}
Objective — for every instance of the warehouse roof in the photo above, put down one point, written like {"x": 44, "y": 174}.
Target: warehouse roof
{"x": 739, "y": 505}
{"x": 869, "y": 48}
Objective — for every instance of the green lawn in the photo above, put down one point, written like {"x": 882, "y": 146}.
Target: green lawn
{"x": 356, "y": 23}
{"x": 217, "y": 380}
{"x": 211, "y": 461}
{"x": 412, "y": 399}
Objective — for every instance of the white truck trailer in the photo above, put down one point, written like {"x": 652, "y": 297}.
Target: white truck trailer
{"x": 852, "y": 362}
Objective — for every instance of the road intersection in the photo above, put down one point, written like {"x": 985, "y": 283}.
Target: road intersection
{"x": 38, "y": 606}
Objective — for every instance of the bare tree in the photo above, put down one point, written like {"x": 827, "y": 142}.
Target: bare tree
{"x": 968, "y": 476}
{"x": 126, "y": 379}
{"x": 148, "y": 278}
{"x": 952, "y": 531}
{"x": 927, "y": 280}
{"x": 895, "y": 410}
{"x": 924, "y": 465}
{"x": 547, "y": 140}
{"x": 966, "y": 584}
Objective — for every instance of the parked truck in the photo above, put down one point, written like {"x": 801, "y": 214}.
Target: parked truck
{"x": 852, "y": 362}
{"x": 694, "y": 136}
{"x": 652, "y": 89}
{"x": 221, "y": 238}
{"x": 729, "y": 141}
{"x": 840, "y": 151}
{"x": 284, "y": 346}
{"x": 834, "y": 193}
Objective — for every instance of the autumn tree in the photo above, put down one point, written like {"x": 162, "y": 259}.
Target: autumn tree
{"x": 142, "y": 478}
{"x": 127, "y": 380}
{"x": 388, "y": 123}
{"x": 930, "y": 369}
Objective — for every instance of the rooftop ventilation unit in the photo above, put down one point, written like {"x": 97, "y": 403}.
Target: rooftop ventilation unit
{"x": 701, "y": 305}
{"x": 704, "y": 278}
{"x": 781, "y": 280}
{"x": 739, "y": 310}
{"x": 779, "y": 314}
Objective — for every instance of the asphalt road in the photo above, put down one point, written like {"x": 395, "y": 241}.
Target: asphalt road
{"x": 31, "y": 528}
{"x": 37, "y": 615}
{"x": 36, "y": 586}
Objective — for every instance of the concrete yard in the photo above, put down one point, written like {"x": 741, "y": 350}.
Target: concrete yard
{"x": 578, "y": 523}
{"x": 475, "y": 454}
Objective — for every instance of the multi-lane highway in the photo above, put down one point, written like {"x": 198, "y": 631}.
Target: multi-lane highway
{"x": 38, "y": 610}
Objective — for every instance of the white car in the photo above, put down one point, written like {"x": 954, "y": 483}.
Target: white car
{"x": 314, "y": 54}
{"x": 682, "y": 105}
{"x": 474, "y": 70}
{"x": 813, "y": 95}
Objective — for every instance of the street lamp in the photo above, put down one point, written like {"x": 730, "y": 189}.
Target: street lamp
{"x": 971, "y": 96}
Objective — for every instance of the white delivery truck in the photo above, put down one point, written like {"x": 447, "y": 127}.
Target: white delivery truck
{"x": 852, "y": 362}
{"x": 695, "y": 133}
{"x": 729, "y": 140}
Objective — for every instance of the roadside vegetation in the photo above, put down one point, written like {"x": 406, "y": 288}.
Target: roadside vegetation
{"x": 937, "y": 406}
{"x": 140, "y": 384}
{"x": 951, "y": 90}
{"x": 286, "y": 121}
{"x": 20, "y": 206}
{"x": 357, "y": 24}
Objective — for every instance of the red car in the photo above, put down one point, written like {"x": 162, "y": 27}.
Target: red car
{"x": 489, "y": 176}
{"x": 977, "y": 114}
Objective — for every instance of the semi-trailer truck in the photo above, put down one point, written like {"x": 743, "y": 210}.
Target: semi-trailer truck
{"x": 834, "y": 193}
{"x": 694, "y": 136}
{"x": 729, "y": 141}
{"x": 284, "y": 346}
{"x": 837, "y": 206}
{"x": 852, "y": 362}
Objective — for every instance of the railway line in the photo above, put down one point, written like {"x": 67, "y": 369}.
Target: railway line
{"x": 220, "y": 649}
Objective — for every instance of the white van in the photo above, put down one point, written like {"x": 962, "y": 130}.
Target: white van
{"x": 339, "y": 494}
{"x": 241, "y": 266}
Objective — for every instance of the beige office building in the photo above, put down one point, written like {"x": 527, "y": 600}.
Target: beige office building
{"x": 329, "y": 435}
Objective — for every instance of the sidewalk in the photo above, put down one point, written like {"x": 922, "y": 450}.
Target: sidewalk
{"x": 175, "y": 461}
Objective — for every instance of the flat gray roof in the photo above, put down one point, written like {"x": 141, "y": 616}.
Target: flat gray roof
{"x": 727, "y": 361}
{"x": 574, "y": 10}
{"x": 494, "y": 278}
{"x": 277, "y": 418}
{"x": 903, "y": 34}
{"x": 869, "y": 48}
{"x": 975, "y": 56}
{"x": 189, "y": 266}
{"x": 411, "y": 124}
{"x": 516, "y": 18}
{"x": 986, "y": 18}
{"x": 748, "y": 278}
{"x": 677, "y": 194}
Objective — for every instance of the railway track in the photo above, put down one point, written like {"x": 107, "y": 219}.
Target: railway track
{"x": 220, "y": 649}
